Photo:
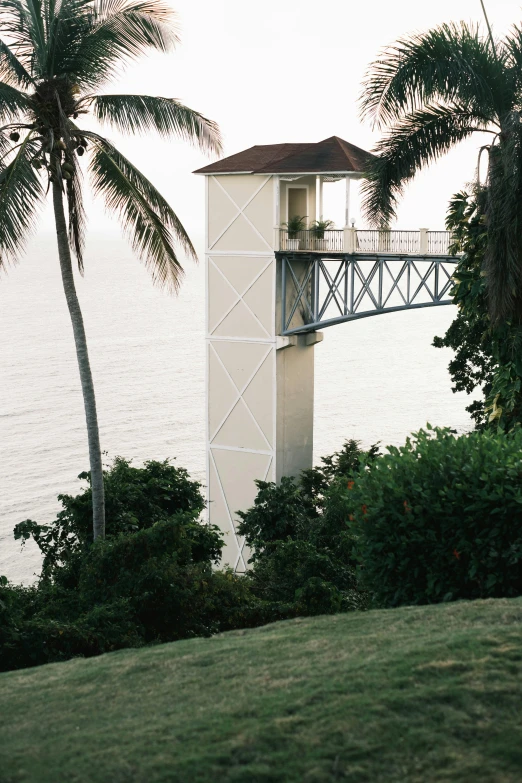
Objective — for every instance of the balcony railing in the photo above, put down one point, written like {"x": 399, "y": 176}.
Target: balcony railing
{"x": 438, "y": 242}
{"x": 387, "y": 242}
{"x": 332, "y": 240}
{"x": 352, "y": 240}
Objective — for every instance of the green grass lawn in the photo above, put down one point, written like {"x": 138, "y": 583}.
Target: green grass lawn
{"x": 414, "y": 694}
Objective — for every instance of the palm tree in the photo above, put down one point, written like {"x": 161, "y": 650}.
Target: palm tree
{"x": 55, "y": 57}
{"x": 432, "y": 90}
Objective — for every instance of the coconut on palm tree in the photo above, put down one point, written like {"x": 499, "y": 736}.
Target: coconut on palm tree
{"x": 55, "y": 58}
{"x": 432, "y": 90}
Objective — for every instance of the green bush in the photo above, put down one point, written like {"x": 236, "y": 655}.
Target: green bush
{"x": 440, "y": 519}
{"x": 164, "y": 573}
{"x": 153, "y": 585}
{"x": 301, "y": 561}
{"x": 15, "y": 603}
{"x": 135, "y": 498}
{"x": 151, "y": 580}
{"x": 39, "y": 639}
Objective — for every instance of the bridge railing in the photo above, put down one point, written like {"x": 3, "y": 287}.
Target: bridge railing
{"x": 405, "y": 242}
{"x": 352, "y": 240}
{"x": 439, "y": 242}
{"x": 332, "y": 240}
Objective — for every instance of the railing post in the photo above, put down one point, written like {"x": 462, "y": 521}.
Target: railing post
{"x": 283, "y": 296}
{"x": 315, "y": 282}
{"x": 349, "y": 240}
{"x": 347, "y": 202}
{"x": 423, "y": 242}
{"x": 384, "y": 240}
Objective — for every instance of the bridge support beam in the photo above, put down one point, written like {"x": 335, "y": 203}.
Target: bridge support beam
{"x": 260, "y": 385}
{"x": 322, "y": 290}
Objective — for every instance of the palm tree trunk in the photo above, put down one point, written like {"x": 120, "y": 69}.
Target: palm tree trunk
{"x": 80, "y": 340}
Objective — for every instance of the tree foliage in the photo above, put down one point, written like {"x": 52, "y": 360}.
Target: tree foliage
{"x": 136, "y": 498}
{"x": 301, "y": 549}
{"x": 54, "y": 60}
{"x": 440, "y": 519}
{"x": 487, "y": 355}
{"x": 151, "y": 580}
{"x": 432, "y": 90}
{"x": 154, "y": 577}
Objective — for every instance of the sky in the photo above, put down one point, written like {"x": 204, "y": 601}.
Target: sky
{"x": 288, "y": 71}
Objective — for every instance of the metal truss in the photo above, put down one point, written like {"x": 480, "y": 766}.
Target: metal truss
{"x": 320, "y": 290}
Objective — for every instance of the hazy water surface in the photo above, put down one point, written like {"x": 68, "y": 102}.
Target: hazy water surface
{"x": 376, "y": 379}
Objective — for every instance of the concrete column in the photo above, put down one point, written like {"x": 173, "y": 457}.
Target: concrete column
{"x": 259, "y": 384}
{"x": 349, "y": 240}
{"x": 295, "y": 387}
{"x": 277, "y": 212}
{"x": 423, "y": 241}
{"x": 347, "y": 201}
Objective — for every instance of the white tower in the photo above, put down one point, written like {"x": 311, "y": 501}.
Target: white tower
{"x": 260, "y": 386}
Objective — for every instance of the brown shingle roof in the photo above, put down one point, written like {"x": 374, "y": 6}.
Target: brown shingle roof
{"x": 332, "y": 155}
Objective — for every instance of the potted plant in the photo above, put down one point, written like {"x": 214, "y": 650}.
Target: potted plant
{"x": 296, "y": 224}
{"x": 317, "y": 229}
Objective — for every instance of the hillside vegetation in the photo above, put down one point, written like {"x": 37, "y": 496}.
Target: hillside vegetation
{"x": 411, "y": 694}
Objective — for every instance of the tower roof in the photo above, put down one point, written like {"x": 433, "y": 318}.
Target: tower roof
{"x": 330, "y": 156}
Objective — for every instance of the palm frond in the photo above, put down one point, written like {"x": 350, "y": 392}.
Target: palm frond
{"x": 147, "y": 219}
{"x": 12, "y": 102}
{"x": 67, "y": 23}
{"x": 12, "y": 70}
{"x": 451, "y": 63}
{"x": 120, "y": 31}
{"x": 38, "y": 34}
{"x": 16, "y": 23}
{"x": 22, "y": 24}
{"x": 415, "y": 141}
{"x": 21, "y": 193}
{"x": 76, "y": 215}
{"x": 512, "y": 44}
{"x": 166, "y": 116}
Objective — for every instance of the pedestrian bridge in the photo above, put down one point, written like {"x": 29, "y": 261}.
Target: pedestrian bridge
{"x": 321, "y": 289}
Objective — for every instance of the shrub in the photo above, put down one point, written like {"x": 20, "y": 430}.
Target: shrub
{"x": 15, "y": 601}
{"x": 301, "y": 561}
{"x": 149, "y": 586}
{"x": 151, "y": 580}
{"x": 164, "y": 573}
{"x": 41, "y": 639}
{"x": 135, "y": 498}
{"x": 440, "y": 518}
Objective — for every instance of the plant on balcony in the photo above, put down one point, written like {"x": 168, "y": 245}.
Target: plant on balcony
{"x": 294, "y": 225}
{"x": 318, "y": 227}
